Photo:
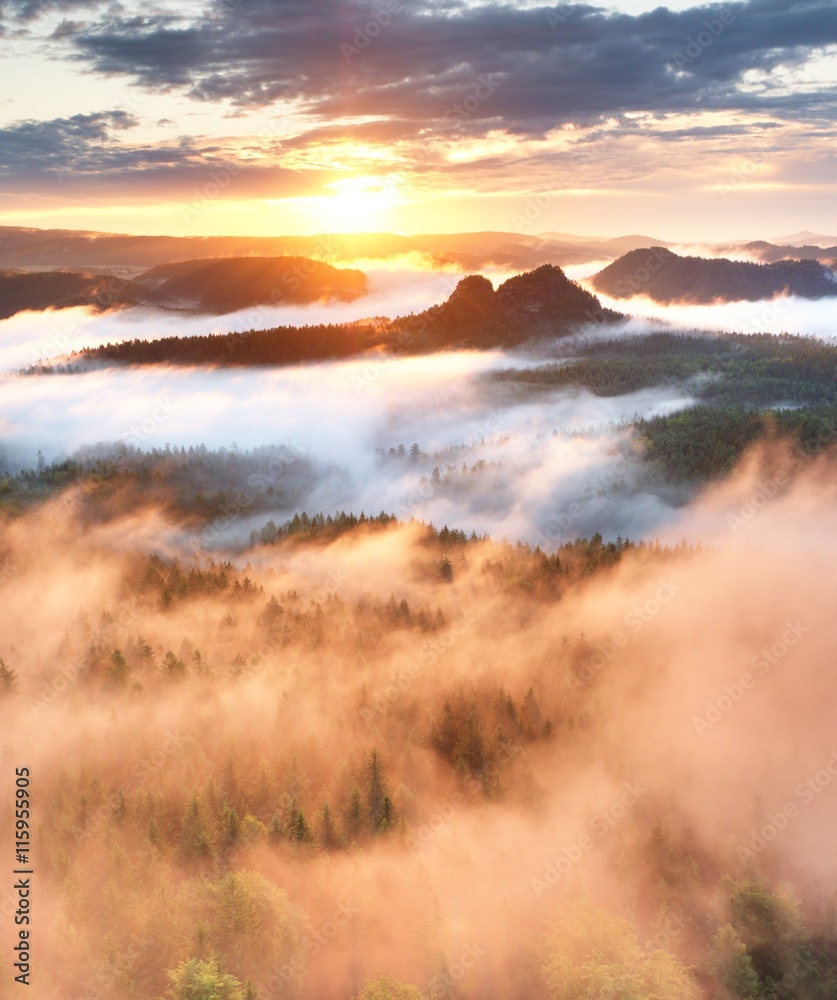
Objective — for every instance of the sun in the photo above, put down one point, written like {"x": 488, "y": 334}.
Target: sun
{"x": 354, "y": 205}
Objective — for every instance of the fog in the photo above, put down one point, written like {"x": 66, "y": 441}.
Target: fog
{"x": 663, "y": 769}
{"x": 539, "y": 469}
{"x": 784, "y": 314}
{"x": 536, "y": 457}
{"x": 399, "y": 286}
{"x": 354, "y": 752}
{"x": 404, "y": 284}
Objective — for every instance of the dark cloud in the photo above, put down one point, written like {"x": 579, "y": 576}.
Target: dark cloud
{"x": 32, "y": 146}
{"x": 456, "y": 68}
{"x": 67, "y": 28}
{"x": 24, "y": 11}
{"x": 85, "y": 155}
{"x": 403, "y": 73}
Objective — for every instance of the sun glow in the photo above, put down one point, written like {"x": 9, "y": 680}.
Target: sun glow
{"x": 355, "y": 205}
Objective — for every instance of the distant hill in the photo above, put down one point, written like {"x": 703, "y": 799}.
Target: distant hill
{"x": 23, "y": 290}
{"x": 226, "y": 285}
{"x": 606, "y": 245}
{"x": 82, "y": 250}
{"x": 626, "y": 243}
{"x": 666, "y": 277}
{"x": 543, "y": 302}
{"x": 770, "y": 253}
{"x": 540, "y": 303}
{"x": 806, "y": 238}
{"x": 210, "y": 286}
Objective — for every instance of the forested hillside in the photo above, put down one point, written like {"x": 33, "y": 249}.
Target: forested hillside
{"x": 666, "y": 277}
{"x": 541, "y": 303}
{"x": 423, "y": 750}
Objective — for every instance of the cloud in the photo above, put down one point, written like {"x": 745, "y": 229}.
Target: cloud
{"x": 559, "y": 465}
{"x": 435, "y": 94}
{"x": 25, "y": 11}
{"x": 425, "y": 60}
{"x": 88, "y": 154}
{"x": 33, "y": 145}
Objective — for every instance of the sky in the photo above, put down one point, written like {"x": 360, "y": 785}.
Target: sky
{"x": 266, "y": 117}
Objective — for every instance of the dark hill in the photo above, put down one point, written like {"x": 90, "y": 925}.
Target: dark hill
{"x": 225, "y": 285}
{"x": 545, "y": 299}
{"x": 665, "y": 277}
{"x": 210, "y": 286}
{"x": 541, "y": 303}
{"x": 39, "y": 290}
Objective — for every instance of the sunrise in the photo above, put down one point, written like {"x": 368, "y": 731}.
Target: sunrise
{"x": 418, "y": 500}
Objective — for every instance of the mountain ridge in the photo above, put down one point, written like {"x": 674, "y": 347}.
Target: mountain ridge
{"x": 668, "y": 278}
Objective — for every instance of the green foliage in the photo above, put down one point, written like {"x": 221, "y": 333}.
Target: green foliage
{"x": 201, "y": 979}
{"x": 249, "y": 918}
{"x": 701, "y": 442}
{"x": 8, "y": 678}
{"x": 770, "y": 926}
{"x": 731, "y": 967}
{"x": 597, "y": 954}
{"x": 118, "y": 670}
{"x": 197, "y": 834}
{"x": 386, "y": 988}
{"x": 734, "y": 376}
{"x": 354, "y": 813}
{"x": 298, "y": 829}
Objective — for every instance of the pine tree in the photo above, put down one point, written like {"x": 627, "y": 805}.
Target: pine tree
{"x": 118, "y": 670}
{"x": 232, "y": 825}
{"x": 328, "y": 831}
{"x": 376, "y": 788}
{"x": 299, "y": 830}
{"x": 195, "y": 840}
{"x": 8, "y": 678}
{"x": 354, "y": 813}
